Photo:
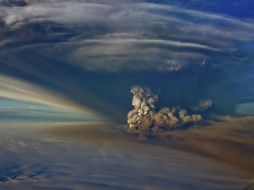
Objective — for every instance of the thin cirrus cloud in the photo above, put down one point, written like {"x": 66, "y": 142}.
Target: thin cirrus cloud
{"x": 160, "y": 30}
{"x": 149, "y": 53}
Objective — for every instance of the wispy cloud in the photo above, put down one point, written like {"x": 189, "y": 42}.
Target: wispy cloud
{"x": 154, "y": 24}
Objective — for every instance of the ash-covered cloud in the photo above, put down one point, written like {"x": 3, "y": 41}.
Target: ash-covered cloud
{"x": 145, "y": 117}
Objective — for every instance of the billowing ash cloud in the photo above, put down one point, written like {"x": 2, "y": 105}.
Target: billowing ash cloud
{"x": 144, "y": 108}
{"x": 145, "y": 117}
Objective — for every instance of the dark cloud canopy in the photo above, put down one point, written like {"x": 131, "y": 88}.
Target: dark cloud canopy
{"x": 92, "y": 52}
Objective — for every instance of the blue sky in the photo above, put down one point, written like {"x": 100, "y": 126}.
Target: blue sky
{"x": 233, "y": 8}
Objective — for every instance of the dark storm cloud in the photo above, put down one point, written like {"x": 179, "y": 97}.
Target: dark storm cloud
{"x": 94, "y": 51}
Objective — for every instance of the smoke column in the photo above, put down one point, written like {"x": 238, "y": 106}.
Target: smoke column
{"x": 146, "y": 118}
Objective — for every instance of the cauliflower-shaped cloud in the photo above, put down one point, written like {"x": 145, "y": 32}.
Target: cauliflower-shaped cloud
{"x": 145, "y": 117}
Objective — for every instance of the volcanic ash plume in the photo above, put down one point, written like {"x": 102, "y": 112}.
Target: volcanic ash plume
{"x": 144, "y": 101}
{"x": 145, "y": 117}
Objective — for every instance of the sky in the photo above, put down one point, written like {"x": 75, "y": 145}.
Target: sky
{"x": 83, "y": 56}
